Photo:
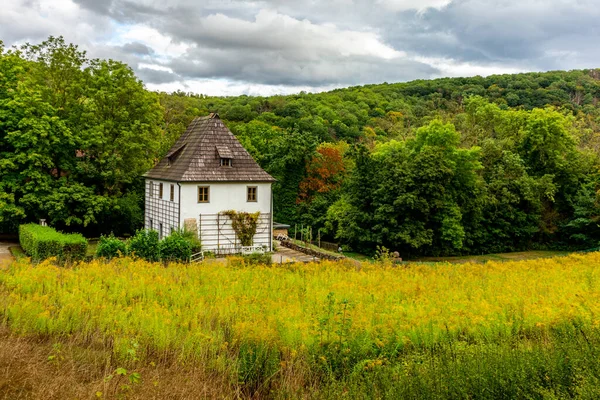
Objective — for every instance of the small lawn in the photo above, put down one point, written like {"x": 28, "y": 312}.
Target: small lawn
{"x": 17, "y": 252}
{"x": 516, "y": 256}
{"x": 92, "y": 246}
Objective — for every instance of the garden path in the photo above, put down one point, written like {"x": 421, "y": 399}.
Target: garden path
{"x": 5, "y": 255}
{"x": 283, "y": 255}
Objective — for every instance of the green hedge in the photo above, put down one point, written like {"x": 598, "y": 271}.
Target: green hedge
{"x": 41, "y": 242}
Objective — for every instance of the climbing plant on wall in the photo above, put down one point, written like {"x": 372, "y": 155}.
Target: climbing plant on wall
{"x": 244, "y": 224}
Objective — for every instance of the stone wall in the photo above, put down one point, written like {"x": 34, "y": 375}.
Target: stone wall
{"x": 311, "y": 252}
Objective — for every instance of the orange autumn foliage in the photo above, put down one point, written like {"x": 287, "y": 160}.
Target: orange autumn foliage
{"x": 324, "y": 172}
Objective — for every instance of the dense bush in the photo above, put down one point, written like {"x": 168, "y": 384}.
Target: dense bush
{"x": 175, "y": 247}
{"x": 41, "y": 242}
{"x": 145, "y": 245}
{"x": 110, "y": 246}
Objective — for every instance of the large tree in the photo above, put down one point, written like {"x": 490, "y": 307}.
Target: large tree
{"x": 76, "y": 135}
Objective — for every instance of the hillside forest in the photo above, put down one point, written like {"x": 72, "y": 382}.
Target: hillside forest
{"x": 431, "y": 167}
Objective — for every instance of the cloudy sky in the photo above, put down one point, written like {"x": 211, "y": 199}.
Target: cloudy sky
{"x": 233, "y": 47}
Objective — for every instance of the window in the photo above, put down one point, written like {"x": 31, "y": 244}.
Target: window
{"x": 172, "y": 192}
{"x": 252, "y": 193}
{"x": 225, "y": 162}
{"x": 151, "y": 224}
{"x": 160, "y": 190}
{"x": 203, "y": 192}
{"x": 151, "y": 187}
{"x": 160, "y": 231}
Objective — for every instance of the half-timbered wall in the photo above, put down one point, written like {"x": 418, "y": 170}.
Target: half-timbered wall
{"x": 161, "y": 211}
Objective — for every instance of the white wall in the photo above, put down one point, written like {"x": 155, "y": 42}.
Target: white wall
{"x": 223, "y": 197}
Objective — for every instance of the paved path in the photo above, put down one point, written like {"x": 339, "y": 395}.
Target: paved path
{"x": 5, "y": 256}
{"x": 283, "y": 255}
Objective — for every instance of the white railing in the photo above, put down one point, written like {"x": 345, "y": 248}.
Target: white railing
{"x": 253, "y": 249}
{"x": 197, "y": 257}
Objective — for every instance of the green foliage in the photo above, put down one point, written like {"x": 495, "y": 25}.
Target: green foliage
{"x": 75, "y": 137}
{"x": 110, "y": 246}
{"x": 175, "y": 247}
{"x": 258, "y": 259}
{"x": 192, "y": 238}
{"x": 144, "y": 244}
{"x": 42, "y": 242}
{"x": 244, "y": 224}
{"x": 446, "y": 166}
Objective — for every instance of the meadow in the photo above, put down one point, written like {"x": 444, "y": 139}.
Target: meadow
{"x": 518, "y": 329}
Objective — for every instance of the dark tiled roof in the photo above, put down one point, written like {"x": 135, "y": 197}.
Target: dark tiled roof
{"x": 195, "y": 156}
{"x": 224, "y": 151}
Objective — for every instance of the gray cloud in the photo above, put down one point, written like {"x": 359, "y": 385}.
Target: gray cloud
{"x": 137, "y": 48}
{"x": 317, "y": 44}
{"x": 156, "y": 76}
{"x": 268, "y": 67}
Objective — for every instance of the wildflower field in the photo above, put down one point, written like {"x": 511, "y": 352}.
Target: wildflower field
{"x": 525, "y": 329}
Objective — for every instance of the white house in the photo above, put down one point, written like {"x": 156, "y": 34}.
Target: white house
{"x": 204, "y": 174}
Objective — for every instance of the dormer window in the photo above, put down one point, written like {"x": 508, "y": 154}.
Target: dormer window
{"x": 225, "y": 155}
{"x": 172, "y": 155}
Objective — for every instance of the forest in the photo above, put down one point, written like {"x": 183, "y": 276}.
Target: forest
{"x": 430, "y": 167}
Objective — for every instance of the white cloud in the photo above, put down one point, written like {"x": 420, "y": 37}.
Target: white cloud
{"x": 162, "y": 44}
{"x": 419, "y": 5}
{"x": 271, "y": 30}
{"x": 221, "y": 87}
{"x": 453, "y": 68}
{"x": 35, "y": 20}
{"x": 155, "y": 67}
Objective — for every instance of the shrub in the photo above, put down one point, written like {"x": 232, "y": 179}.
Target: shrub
{"x": 175, "y": 247}
{"x": 258, "y": 259}
{"x": 42, "y": 242}
{"x": 192, "y": 237}
{"x": 110, "y": 246}
{"x": 242, "y": 261}
{"x": 145, "y": 245}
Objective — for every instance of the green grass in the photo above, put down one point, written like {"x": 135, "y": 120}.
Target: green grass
{"x": 516, "y": 256}
{"x": 17, "y": 252}
{"x": 92, "y": 247}
{"x": 357, "y": 256}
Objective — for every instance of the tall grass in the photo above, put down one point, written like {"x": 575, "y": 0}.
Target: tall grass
{"x": 512, "y": 329}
